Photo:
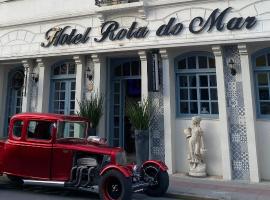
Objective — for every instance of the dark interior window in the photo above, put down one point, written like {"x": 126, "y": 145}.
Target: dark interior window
{"x": 40, "y": 130}
{"x": 17, "y": 128}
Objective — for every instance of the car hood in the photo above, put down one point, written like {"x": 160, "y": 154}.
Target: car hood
{"x": 88, "y": 147}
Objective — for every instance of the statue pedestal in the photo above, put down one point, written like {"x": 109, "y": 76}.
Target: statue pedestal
{"x": 199, "y": 171}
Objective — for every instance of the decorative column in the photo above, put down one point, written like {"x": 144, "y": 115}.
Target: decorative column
{"x": 248, "y": 93}
{"x": 237, "y": 113}
{"x": 79, "y": 80}
{"x": 144, "y": 74}
{"x": 100, "y": 88}
{"x": 223, "y": 115}
{"x": 169, "y": 110}
{"x": 43, "y": 86}
{"x": 28, "y": 68}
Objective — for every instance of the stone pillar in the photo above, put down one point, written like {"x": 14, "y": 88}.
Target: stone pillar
{"x": 28, "y": 68}
{"x": 100, "y": 88}
{"x": 43, "y": 86}
{"x": 248, "y": 93}
{"x": 80, "y": 65}
{"x": 169, "y": 110}
{"x": 223, "y": 115}
{"x": 144, "y": 74}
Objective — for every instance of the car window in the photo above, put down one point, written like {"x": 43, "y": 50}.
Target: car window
{"x": 69, "y": 129}
{"x": 40, "y": 130}
{"x": 17, "y": 128}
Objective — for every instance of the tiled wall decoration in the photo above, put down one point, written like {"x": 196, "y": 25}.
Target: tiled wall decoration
{"x": 237, "y": 115}
{"x": 157, "y": 127}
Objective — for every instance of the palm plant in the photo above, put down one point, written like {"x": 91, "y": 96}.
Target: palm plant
{"x": 140, "y": 114}
{"x": 92, "y": 109}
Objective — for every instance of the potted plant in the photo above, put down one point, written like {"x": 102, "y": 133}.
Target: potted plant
{"x": 92, "y": 109}
{"x": 140, "y": 115}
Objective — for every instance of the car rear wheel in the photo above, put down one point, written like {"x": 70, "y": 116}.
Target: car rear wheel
{"x": 115, "y": 186}
{"x": 158, "y": 180}
{"x": 15, "y": 180}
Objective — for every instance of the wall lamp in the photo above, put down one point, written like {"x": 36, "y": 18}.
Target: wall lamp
{"x": 34, "y": 76}
{"x": 89, "y": 74}
{"x": 232, "y": 67}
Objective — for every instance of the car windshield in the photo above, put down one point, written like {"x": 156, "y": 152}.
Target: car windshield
{"x": 72, "y": 129}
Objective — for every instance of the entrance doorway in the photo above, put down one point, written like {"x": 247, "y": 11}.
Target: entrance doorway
{"x": 63, "y": 81}
{"x": 14, "y": 94}
{"x": 126, "y": 88}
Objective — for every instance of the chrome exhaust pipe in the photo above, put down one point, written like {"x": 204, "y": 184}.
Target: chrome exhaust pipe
{"x": 89, "y": 175}
{"x": 80, "y": 176}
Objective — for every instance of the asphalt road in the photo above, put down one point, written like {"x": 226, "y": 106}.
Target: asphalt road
{"x": 30, "y": 192}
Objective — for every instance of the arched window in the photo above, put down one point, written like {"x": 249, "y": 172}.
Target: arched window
{"x": 63, "y": 88}
{"x": 261, "y": 65}
{"x": 196, "y": 85}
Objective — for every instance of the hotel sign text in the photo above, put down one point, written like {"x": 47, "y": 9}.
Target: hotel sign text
{"x": 112, "y": 30}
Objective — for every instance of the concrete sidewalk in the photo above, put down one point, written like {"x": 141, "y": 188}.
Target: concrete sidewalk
{"x": 185, "y": 187}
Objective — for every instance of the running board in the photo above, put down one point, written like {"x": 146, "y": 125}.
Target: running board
{"x": 44, "y": 183}
{"x": 93, "y": 189}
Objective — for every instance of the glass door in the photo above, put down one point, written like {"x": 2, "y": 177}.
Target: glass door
{"x": 117, "y": 114}
{"x": 126, "y": 87}
{"x": 64, "y": 97}
{"x": 14, "y": 94}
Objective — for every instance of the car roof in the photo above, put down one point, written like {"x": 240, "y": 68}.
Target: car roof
{"x": 49, "y": 116}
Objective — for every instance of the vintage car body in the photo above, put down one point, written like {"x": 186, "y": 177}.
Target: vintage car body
{"x": 35, "y": 151}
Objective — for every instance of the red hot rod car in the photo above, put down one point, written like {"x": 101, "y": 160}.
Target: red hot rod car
{"x": 54, "y": 149}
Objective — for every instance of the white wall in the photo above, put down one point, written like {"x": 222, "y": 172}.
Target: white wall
{"x": 212, "y": 144}
{"x": 263, "y": 144}
{"x": 262, "y": 125}
{"x": 211, "y": 129}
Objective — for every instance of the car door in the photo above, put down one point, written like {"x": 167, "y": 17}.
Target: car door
{"x": 36, "y": 154}
{"x": 13, "y": 147}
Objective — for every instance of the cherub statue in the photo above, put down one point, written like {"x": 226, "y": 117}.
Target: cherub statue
{"x": 194, "y": 136}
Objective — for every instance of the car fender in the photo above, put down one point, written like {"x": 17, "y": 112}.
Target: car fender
{"x": 160, "y": 164}
{"x": 125, "y": 171}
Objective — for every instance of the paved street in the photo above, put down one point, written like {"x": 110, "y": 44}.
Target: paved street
{"x": 11, "y": 192}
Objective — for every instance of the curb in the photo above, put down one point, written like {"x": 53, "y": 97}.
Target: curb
{"x": 187, "y": 197}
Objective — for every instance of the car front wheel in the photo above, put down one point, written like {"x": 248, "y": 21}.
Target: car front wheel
{"x": 115, "y": 186}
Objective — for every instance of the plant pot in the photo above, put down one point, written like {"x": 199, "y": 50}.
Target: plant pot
{"x": 142, "y": 146}
{"x": 92, "y": 132}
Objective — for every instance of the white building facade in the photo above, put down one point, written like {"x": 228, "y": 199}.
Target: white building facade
{"x": 192, "y": 57}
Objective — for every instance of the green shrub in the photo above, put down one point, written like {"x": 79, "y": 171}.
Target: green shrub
{"x": 92, "y": 109}
{"x": 140, "y": 114}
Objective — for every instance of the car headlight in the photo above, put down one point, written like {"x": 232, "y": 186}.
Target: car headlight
{"x": 121, "y": 158}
